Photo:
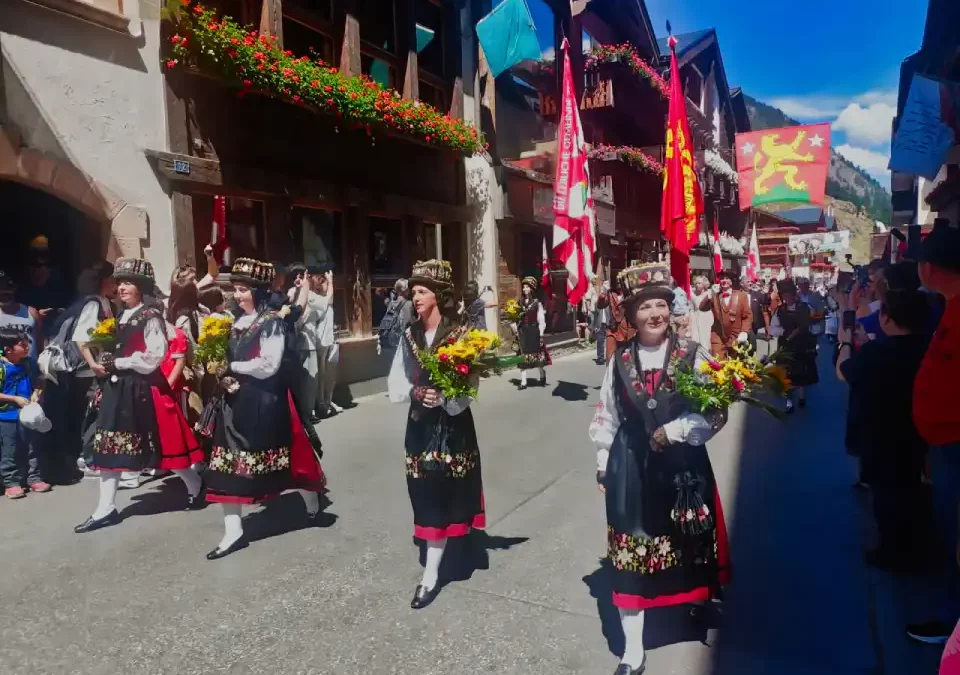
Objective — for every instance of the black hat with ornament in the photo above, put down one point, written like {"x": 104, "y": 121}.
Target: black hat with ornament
{"x": 437, "y": 275}
{"x": 136, "y": 270}
{"x": 253, "y": 273}
{"x": 645, "y": 282}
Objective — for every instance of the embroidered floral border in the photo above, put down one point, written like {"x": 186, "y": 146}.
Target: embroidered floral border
{"x": 456, "y": 465}
{"x": 645, "y": 555}
{"x": 245, "y": 463}
{"x": 126, "y": 443}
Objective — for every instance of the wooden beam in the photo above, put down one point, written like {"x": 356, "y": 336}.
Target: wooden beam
{"x": 208, "y": 175}
{"x": 488, "y": 89}
{"x": 411, "y": 77}
{"x": 183, "y": 234}
{"x": 350, "y": 54}
{"x": 271, "y": 20}
{"x": 456, "y": 100}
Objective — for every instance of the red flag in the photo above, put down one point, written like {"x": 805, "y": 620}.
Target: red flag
{"x": 574, "y": 223}
{"x": 783, "y": 165}
{"x": 753, "y": 257}
{"x": 221, "y": 245}
{"x": 682, "y": 200}
{"x": 545, "y": 266}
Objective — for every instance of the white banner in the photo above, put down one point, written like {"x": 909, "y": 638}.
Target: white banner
{"x": 819, "y": 242}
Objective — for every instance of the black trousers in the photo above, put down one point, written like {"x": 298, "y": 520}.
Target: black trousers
{"x": 65, "y": 404}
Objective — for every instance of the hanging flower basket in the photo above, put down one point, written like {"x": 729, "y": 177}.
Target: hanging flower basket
{"x": 627, "y": 53}
{"x": 253, "y": 63}
{"x": 633, "y": 156}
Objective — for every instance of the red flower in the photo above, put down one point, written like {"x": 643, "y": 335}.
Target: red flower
{"x": 427, "y": 139}
{"x": 249, "y": 40}
{"x": 232, "y": 53}
{"x": 296, "y": 98}
{"x": 234, "y": 41}
{"x": 330, "y": 101}
{"x": 287, "y": 72}
{"x": 738, "y": 384}
{"x": 463, "y": 369}
{"x": 198, "y": 9}
{"x": 213, "y": 25}
{"x": 444, "y": 358}
{"x": 328, "y": 88}
{"x": 715, "y": 365}
{"x": 314, "y": 84}
{"x": 247, "y": 84}
{"x": 184, "y": 2}
{"x": 287, "y": 52}
{"x": 260, "y": 56}
{"x": 172, "y": 63}
{"x": 353, "y": 95}
{"x": 175, "y": 39}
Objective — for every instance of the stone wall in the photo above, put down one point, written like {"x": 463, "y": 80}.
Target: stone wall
{"x": 78, "y": 105}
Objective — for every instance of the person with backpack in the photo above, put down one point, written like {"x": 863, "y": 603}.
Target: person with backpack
{"x": 395, "y": 321}
{"x": 73, "y": 369}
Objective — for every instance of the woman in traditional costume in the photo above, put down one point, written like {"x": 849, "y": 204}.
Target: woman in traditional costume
{"x": 791, "y": 324}
{"x": 138, "y": 423}
{"x": 666, "y": 537}
{"x": 530, "y": 331}
{"x": 259, "y": 446}
{"x": 442, "y": 455}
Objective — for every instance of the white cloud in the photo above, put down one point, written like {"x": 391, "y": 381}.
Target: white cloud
{"x": 819, "y": 108}
{"x": 866, "y": 125}
{"x": 874, "y": 162}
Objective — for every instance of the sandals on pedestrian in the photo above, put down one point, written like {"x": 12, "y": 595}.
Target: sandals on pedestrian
{"x": 40, "y": 486}
{"x": 15, "y": 492}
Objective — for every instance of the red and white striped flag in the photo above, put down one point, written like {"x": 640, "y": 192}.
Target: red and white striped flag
{"x": 218, "y": 236}
{"x": 574, "y": 223}
{"x": 753, "y": 257}
{"x": 545, "y": 266}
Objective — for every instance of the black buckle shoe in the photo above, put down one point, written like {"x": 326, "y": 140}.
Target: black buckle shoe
{"x": 238, "y": 545}
{"x": 624, "y": 669}
{"x": 423, "y": 596}
{"x": 197, "y": 501}
{"x": 90, "y": 525}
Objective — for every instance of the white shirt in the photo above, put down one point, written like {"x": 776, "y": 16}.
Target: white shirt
{"x": 690, "y": 428}
{"x": 271, "y": 352}
{"x": 404, "y": 369}
{"x": 325, "y": 321}
{"x": 307, "y": 323}
{"x": 155, "y": 346}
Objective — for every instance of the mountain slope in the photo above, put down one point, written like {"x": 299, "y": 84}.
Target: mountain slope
{"x": 846, "y": 181}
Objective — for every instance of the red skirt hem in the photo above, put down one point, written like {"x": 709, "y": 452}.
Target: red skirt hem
{"x": 451, "y": 531}
{"x": 627, "y": 601}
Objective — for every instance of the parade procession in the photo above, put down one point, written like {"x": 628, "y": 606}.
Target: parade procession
{"x": 428, "y": 337}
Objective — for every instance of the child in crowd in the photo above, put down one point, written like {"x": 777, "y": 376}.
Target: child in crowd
{"x": 212, "y": 299}
{"x": 19, "y": 379}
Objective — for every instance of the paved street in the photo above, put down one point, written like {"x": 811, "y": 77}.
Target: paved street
{"x": 527, "y": 597}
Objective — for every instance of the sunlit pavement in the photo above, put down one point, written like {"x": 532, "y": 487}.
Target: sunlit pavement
{"x": 528, "y": 597}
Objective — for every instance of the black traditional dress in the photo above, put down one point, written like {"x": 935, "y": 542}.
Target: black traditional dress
{"x": 667, "y": 539}
{"x": 138, "y": 424}
{"x": 798, "y": 345}
{"x": 259, "y": 446}
{"x": 442, "y": 454}
{"x": 530, "y": 330}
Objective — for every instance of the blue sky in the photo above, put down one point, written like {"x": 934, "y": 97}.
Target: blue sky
{"x": 817, "y": 60}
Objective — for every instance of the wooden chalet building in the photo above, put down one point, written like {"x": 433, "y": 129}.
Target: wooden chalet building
{"x": 774, "y": 229}
{"x": 305, "y": 186}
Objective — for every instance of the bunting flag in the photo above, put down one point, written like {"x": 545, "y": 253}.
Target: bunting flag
{"x": 574, "y": 223}
{"x": 753, "y": 257}
{"x": 682, "y": 200}
{"x": 717, "y": 255}
{"x": 783, "y": 165}
{"x": 508, "y": 36}
{"x": 218, "y": 235}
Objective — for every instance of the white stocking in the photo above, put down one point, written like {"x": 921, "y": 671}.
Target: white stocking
{"x": 191, "y": 479}
{"x": 232, "y": 525}
{"x": 523, "y": 378}
{"x": 312, "y": 501}
{"x": 543, "y": 374}
{"x": 632, "y": 620}
{"x": 431, "y": 570}
{"x": 109, "y": 481}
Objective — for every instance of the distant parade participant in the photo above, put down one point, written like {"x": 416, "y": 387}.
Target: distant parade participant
{"x": 138, "y": 424}
{"x": 259, "y": 445}
{"x": 442, "y": 454}
{"x": 791, "y": 324}
{"x": 666, "y": 536}
{"x": 530, "y": 333}
{"x": 732, "y": 316}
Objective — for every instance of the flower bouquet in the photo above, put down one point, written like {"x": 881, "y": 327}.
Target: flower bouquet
{"x": 512, "y": 312}
{"x": 212, "y": 343}
{"x": 718, "y": 384}
{"x": 462, "y": 357}
{"x": 104, "y": 336}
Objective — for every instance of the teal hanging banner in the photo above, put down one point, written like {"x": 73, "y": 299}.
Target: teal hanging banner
{"x": 508, "y": 36}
